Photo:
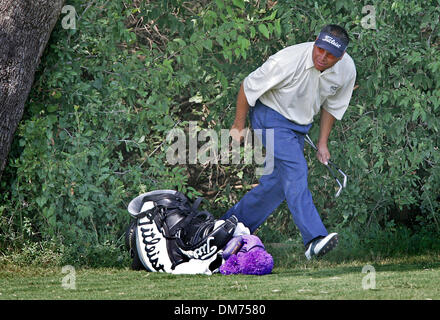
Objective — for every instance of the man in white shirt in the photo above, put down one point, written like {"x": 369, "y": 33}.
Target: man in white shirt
{"x": 284, "y": 95}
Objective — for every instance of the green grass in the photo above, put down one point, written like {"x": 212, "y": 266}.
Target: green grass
{"x": 406, "y": 277}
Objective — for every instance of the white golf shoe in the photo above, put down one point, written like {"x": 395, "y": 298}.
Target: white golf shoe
{"x": 321, "y": 246}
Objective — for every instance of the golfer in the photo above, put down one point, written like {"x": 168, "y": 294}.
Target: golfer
{"x": 284, "y": 95}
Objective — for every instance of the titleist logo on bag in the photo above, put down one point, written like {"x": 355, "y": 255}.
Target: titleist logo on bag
{"x": 151, "y": 242}
{"x": 203, "y": 252}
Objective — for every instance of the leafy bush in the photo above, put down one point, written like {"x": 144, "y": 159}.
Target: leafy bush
{"x": 106, "y": 95}
{"x": 41, "y": 254}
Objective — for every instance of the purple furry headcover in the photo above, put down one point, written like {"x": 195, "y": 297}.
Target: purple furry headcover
{"x": 246, "y": 255}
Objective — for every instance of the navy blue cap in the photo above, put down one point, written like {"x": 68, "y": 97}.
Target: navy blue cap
{"x": 332, "y": 44}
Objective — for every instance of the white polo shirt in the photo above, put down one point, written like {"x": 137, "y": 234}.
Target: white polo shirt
{"x": 289, "y": 83}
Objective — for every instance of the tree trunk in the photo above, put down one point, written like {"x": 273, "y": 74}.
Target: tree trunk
{"x": 25, "y": 27}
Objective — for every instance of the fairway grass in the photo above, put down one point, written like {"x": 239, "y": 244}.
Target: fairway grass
{"x": 387, "y": 279}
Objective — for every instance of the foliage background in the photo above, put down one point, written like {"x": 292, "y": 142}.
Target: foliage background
{"x": 106, "y": 94}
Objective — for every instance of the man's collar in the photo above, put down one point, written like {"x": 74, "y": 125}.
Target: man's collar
{"x": 309, "y": 60}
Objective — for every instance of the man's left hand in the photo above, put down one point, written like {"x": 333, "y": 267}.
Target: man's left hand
{"x": 323, "y": 154}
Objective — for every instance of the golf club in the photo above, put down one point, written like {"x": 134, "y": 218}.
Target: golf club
{"x": 330, "y": 169}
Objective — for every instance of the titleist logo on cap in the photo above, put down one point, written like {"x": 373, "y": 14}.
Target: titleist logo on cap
{"x": 332, "y": 41}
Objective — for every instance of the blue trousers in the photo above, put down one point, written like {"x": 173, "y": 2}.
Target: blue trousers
{"x": 287, "y": 181}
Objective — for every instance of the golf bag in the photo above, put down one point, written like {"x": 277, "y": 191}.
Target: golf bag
{"x": 170, "y": 235}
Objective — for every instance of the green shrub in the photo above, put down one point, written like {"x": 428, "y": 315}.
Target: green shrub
{"x": 40, "y": 254}
{"x": 94, "y": 255}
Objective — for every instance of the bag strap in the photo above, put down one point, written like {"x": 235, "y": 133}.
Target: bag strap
{"x": 176, "y": 203}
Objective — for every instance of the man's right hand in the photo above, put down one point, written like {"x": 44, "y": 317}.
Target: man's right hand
{"x": 237, "y": 133}
{"x": 238, "y": 130}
